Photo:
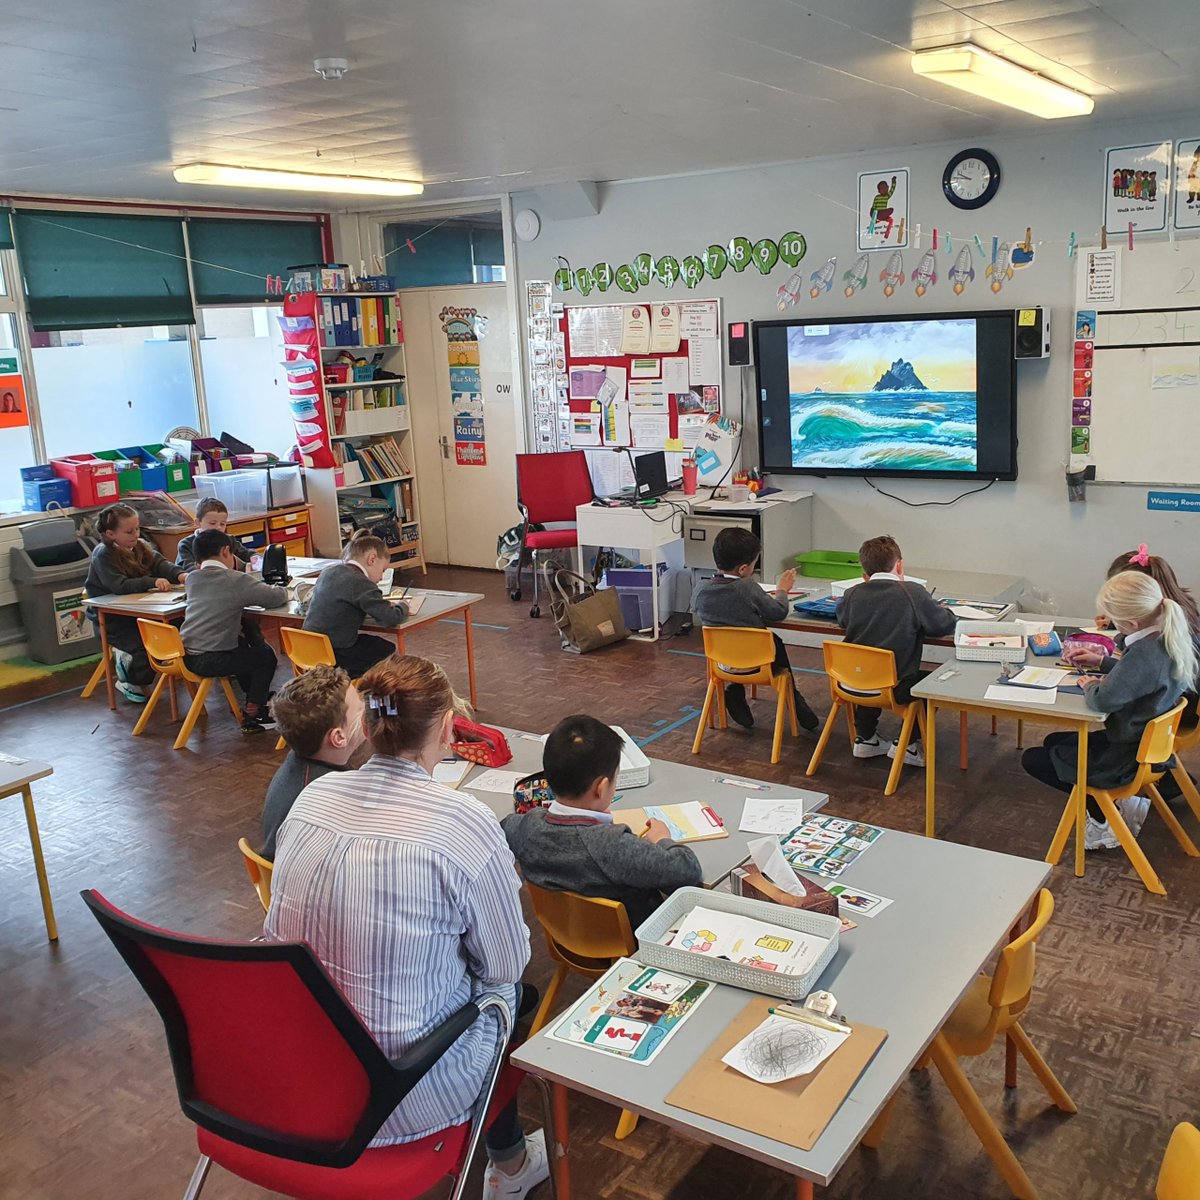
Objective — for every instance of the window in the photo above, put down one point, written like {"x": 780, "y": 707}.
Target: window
{"x": 16, "y": 441}
{"x": 459, "y": 250}
{"x": 113, "y": 389}
{"x": 241, "y": 352}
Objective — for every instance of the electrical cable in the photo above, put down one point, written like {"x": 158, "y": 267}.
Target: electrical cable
{"x": 929, "y": 503}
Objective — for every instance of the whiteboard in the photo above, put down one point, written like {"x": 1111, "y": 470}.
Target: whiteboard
{"x": 1145, "y": 415}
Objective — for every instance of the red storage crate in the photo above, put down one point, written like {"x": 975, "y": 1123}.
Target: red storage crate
{"x": 93, "y": 480}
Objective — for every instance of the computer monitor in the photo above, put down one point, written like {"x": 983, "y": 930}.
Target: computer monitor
{"x": 650, "y": 475}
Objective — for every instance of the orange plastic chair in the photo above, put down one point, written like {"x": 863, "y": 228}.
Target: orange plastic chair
{"x": 1187, "y": 737}
{"x": 165, "y": 648}
{"x": 865, "y": 677}
{"x": 304, "y": 650}
{"x": 740, "y": 655}
{"x": 259, "y": 870}
{"x": 993, "y": 1006}
{"x": 1179, "y": 1175}
{"x": 584, "y": 934}
{"x": 1156, "y": 747}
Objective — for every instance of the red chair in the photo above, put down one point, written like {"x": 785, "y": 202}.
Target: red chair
{"x": 284, "y": 1082}
{"x": 550, "y": 487}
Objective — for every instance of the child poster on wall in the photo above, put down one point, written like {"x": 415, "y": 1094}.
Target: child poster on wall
{"x": 1187, "y": 184}
{"x": 14, "y": 410}
{"x": 1136, "y": 182}
{"x": 883, "y": 209}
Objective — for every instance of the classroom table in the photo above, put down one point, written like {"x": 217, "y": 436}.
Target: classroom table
{"x": 961, "y": 685}
{"x": 16, "y": 774}
{"x": 171, "y": 606}
{"x": 903, "y": 970}
{"x": 670, "y": 783}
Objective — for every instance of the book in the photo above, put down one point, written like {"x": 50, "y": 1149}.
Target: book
{"x": 452, "y": 772}
{"x": 688, "y": 822}
{"x": 747, "y": 941}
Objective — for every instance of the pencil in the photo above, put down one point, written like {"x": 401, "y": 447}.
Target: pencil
{"x": 645, "y": 831}
{"x": 807, "y": 1018}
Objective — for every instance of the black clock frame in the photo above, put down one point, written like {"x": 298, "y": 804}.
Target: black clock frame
{"x": 989, "y": 160}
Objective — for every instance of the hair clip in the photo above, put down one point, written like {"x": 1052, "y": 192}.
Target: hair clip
{"x": 1142, "y": 557}
{"x": 384, "y": 704}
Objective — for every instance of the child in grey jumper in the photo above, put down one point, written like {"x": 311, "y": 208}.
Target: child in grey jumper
{"x": 575, "y": 846}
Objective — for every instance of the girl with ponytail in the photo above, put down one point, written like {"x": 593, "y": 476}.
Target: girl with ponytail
{"x": 1159, "y": 665}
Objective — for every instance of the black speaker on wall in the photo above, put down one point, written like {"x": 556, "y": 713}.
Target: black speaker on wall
{"x": 1031, "y": 333}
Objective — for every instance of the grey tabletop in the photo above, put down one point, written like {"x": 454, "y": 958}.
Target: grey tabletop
{"x": 902, "y": 970}
{"x": 670, "y": 783}
{"x": 16, "y": 774}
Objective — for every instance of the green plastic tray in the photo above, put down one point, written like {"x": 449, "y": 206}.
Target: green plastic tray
{"x": 829, "y": 564}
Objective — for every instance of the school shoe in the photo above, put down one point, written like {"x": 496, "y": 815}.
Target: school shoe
{"x": 257, "y": 723}
{"x": 737, "y": 707}
{"x": 870, "y": 747}
{"x": 498, "y": 1186}
{"x": 1098, "y": 835}
{"x": 131, "y": 693}
{"x": 914, "y": 755}
{"x": 1133, "y": 812}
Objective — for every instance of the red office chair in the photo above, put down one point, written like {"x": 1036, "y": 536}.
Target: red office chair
{"x": 550, "y": 487}
{"x": 284, "y": 1082}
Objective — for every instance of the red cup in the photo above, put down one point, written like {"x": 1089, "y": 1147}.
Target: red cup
{"x": 689, "y": 478}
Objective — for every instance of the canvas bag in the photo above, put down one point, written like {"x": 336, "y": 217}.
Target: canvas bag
{"x": 586, "y": 619}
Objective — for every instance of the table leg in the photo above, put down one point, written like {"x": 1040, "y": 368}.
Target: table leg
{"x": 804, "y": 1189}
{"x": 1080, "y": 798}
{"x": 399, "y": 642}
{"x": 561, "y": 1151}
{"x": 39, "y": 864}
{"x": 962, "y": 740}
{"x": 930, "y": 768}
{"x": 107, "y": 658}
{"x": 470, "y": 654}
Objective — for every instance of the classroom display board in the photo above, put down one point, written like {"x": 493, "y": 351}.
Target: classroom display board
{"x": 1135, "y": 379}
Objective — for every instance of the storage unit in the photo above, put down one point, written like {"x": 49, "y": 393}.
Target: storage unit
{"x": 41, "y": 489}
{"x": 129, "y": 473}
{"x": 634, "y": 591}
{"x": 154, "y": 474}
{"x": 179, "y": 474}
{"x": 699, "y": 532}
{"x": 244, "y": 491}
{"x": 93, "y": 480}
{"x": 48, "y": 571}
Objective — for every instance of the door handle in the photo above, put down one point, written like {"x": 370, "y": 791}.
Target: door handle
{"x": 445, "y": 444}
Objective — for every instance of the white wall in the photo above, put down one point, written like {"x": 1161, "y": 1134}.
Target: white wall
{"x": 1053, "y": 183}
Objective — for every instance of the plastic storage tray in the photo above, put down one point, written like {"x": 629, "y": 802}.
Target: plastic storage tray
{"x": 653, "y": 953}
{"x": 634, "y": 771}
{"x": 240, "y": 491}
{"x": 829, "y": 564}
{"x": 998, "y": 654}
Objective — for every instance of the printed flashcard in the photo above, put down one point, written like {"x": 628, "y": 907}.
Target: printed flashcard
{"x": 1083, "y": 385}
{"x": 1081, "y": 411}
{"x": 858, "y": 902}
{"x": 827, "y": 845}
{"x": 1085, "y": 324}
{"x": 1085, "y": 355}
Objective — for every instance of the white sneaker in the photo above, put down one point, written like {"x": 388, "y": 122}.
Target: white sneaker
{"x": 1133, "y": 812}
{"x": 498, "y": 1186}
{"x": 870, "y": 747}
{"x": 914, "y": 755}
{"x": 1097, "y": 835}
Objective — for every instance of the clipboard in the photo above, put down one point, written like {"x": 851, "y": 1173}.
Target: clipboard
{"x": 794, "y": 1112}
{"x": 697, "y": 826}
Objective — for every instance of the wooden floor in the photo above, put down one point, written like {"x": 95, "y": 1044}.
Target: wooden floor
{"x": 87, "y": 1104}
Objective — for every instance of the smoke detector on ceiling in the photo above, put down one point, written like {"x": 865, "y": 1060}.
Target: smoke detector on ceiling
{"x": 331, "y": 68}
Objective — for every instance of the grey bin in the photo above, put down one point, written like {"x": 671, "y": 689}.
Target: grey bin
{"x": 48, "y": 571}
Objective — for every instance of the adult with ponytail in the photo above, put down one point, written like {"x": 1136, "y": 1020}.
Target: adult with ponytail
{"x": 1158, "y": 666}
{"x": 407, "y": 892}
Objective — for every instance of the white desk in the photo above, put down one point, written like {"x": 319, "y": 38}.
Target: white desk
{"x": 15, "y": 778}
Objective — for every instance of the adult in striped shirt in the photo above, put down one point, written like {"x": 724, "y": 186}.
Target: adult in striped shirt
{"x": 407, "y": 892}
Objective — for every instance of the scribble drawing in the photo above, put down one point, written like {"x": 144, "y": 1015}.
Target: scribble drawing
{"x": 779, "y": 1051}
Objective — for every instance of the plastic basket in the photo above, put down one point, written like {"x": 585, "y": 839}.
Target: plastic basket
{"x": 653, "y": 953}
{"x": 829, "y": 564}
{"x": 1000, "y": 654}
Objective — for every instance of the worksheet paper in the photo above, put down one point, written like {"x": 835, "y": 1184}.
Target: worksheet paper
{"x": 780, "y": 814}
{"x": 675, "y": 374}
{"x": 715, "y": 934}
{"x": 586, "y": 380}
{"x": 452, "y": 773}
{"x": 610, "y": 474}
{"x": 616, "y": 424}
{"x": 1020, "y": 695}
{"x": 649, "y": 429}
{"x": 585, "y": 429}
{"x": 581, "y": 325}
{"x": 610, "y": 324}
{"x": 645, "y": 368}
{"x": 690, "y": 429}
{"x": 664, "y": 328}
{"x": 648, "y": 395}
{"x": 635, "y": 329}
{"x": 493, "y": 780}
{"x": 699, "y": 319}
{"x": 704, "y": 361}
{"x": 783, "y": 1048}
{"x": 968, "y": 612}
{"x": 1040, "y": 677}
{"x": 618, "y": 378}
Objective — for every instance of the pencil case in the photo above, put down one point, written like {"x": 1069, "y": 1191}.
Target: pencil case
{"x": 532, "y": 792}
{"x": 1043, "y": 644}
{"x": 480, "y": 744}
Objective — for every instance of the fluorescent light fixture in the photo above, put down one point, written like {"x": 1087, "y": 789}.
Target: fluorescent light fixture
{"x": 295, "y": 181}
{"x": 982, "y": 74}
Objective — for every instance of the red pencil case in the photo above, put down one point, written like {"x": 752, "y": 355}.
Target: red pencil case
{"x": 480, "y": 743}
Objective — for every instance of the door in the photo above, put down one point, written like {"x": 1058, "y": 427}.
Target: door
{"x": 458, "y": 353}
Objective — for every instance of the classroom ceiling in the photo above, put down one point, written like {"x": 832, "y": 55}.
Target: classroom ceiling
{"x": 103, "y": 97}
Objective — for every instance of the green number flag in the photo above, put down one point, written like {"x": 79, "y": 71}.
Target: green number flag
{"x": 625, "y": 278}
{"x": 792, "y": 247}
{"x": 766, "y": 255}
{"x": 693, "y": 270}
{"x": 667, "y": 270}
{"x": 562, "y": 279}
{"x": 715, "y": 261}
{"x": 740, "y": 251}
{"x": 583, "y": 280}
{"x": 643, "y": 268}
{"x": 602, "y": 274}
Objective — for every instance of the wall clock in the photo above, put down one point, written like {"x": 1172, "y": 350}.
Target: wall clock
{"x": 971, "y": 178}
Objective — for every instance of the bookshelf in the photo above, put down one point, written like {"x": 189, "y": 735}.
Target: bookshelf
{"x": 369, "y": 422}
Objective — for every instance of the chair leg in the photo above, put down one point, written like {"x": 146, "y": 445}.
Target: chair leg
{"x": 782, "y": 691}
{"x": 148, "y": 709}
{"x": 874, "y": 1135}
{"x": 94, "y": 682}
{"x": 1010, "y": 1061}
{"x": 791, "y": 704}
{"x": 1066, "y": 826}
{"x": 962, "y": 740}
{"x": 197, "y": 707}
{"x": 1020, "y": 734}
{"x": 1134, "y": 852}
{"x": 850, "y": 722}
{"x": 990, "y": 1138}
{"x": 1037, "y": 1064}
{"x": 705, "y": 714}
{"x": 231, "y": 699}
{"x": 893, "y": 780}
{"x": 280, "y": 744}
{"x": 198, "y": 1177}
{"x": 626, "y": 1124}
{"x": 722, "y": 715}
{"x": 174, "y": 698}
{"x": 547, "y": 1005}
{"x": 993, "y": 727}
{"x": 1172, "y": 823}
{"x": 823, "y": 740}
{"x": 1187, "y": 787}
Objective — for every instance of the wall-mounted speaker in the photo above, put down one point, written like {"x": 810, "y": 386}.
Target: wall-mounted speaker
{"x": 1031, "y": 333}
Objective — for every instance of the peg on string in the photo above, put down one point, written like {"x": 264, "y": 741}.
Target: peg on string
{"x": 1131, "y": 235}
{"x": 917, "y": 238}
{"x": 1028, "y": 240}
{"x": 979, "y": 246}
{"x": 1071, "y": 245}
{"x": 1103, "y": 237}
{"x": 900, "y": 235}
{"x": 935, "y": 237}
{"x": 411, "y": 248}
{"x": 949, "y": 243}
{"x": 995, "y": 247}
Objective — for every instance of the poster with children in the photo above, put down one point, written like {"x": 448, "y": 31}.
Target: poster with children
{"x": 828, "y": 845}
{"x": 1137, "y": 180}
{"x": 632, "y": 1011}
{"x": 883, "y": 209}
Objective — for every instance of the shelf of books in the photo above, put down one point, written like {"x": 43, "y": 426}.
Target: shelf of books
{"x": 361, "y": 337}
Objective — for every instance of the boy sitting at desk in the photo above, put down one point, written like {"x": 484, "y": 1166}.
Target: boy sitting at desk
{"x": 575, "y": 846}
{"x": 732, "y": 597}
{"x": 320, "y": 715}
{"x": 211, "y": 513}
{"x": 892, "y": 613}
{"x": 213, "y": 640}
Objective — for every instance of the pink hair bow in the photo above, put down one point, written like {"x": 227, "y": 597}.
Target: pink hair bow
{"x": 1142, "y": 557}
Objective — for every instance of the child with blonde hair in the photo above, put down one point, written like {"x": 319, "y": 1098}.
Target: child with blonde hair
{"x": 1159, "y": 664}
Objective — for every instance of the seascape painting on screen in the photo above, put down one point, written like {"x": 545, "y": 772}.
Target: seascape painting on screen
{"x": 896, "y": 395}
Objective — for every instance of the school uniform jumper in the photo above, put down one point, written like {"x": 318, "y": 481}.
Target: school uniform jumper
{"x": 894, "y": 614}
{"x": 294, "y": 775}
{"x": 105, "y": 578}
{"x": 185, "y": 552}
{"x": 212, "y": 630}
{"x": 342, "y": 600}
{"x": 568, "y": 849}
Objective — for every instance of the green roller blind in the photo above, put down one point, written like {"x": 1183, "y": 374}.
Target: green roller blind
{"x": 96, "y": 270}
{"x": 6, "y": 237}
{"x": 231, "y": 258}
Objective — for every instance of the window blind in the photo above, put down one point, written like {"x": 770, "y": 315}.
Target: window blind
{"x": 231, "y": 258}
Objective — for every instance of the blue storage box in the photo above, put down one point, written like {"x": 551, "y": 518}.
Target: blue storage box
{"x": 30, "y": 474}
{"x": 154, "y": 474}
{"x": 39, "y": 494}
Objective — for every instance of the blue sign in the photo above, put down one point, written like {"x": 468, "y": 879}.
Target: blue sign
{"x": 468, "y": 429}
{"x": 1173, "y": 501}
